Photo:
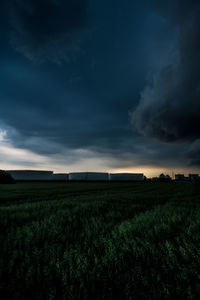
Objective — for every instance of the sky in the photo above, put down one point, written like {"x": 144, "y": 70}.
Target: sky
{"x": 100, "y": 85}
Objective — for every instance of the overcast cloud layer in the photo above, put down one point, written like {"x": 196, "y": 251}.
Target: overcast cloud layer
{"x": 114, "y": 82}
{"x": 47, "y": 29}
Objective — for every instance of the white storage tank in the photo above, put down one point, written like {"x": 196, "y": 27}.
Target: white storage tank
{"x": 31, "y": 175}
{"x": 88, "y": 176}
{"x": 60, "y": 177}
{"x": 126, "y": 177}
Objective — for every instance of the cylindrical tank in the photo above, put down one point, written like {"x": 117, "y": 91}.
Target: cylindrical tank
{"x": 126, "y": 177}
{"x": 60, "y": 177}
{"x": 88, "y": 176}
{"x": 31, "y": 175}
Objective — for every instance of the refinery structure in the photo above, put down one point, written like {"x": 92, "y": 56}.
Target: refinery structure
{"x": 29, "y": 175}
{"x": 37, "y": 175}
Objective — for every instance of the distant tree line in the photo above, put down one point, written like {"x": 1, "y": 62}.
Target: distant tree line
{"x": 5, "y": 178}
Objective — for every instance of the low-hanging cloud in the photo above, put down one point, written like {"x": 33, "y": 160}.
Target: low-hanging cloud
{"x": 169, "y": 109}
{"x": 193, "y": 154}
{"x": 47, "y": 29}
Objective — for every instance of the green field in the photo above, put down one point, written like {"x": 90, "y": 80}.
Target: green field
{"x": 100, "y": 241}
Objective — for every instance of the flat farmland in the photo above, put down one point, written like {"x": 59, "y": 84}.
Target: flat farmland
{"x": 100, "y": 241}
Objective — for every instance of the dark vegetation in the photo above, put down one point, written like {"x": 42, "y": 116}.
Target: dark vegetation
{"x": 100, "y": 241}
{"x": 5, "y": 177}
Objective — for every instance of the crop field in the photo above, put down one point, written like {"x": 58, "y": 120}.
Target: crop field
{"x": 100, "y": 241}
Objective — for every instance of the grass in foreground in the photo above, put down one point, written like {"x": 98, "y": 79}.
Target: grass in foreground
{"x": 100, "y": 241}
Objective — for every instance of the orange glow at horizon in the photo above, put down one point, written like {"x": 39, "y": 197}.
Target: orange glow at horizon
{"x": 153, "y": 171}
{"x": 22, "y": 159}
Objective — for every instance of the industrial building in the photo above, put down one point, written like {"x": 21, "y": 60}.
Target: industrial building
{"x": 194, "y": 177}
{"x": 60, "y": 177}
{"x": 30, "y": 175}
{"x": 88, "y": 176}
{"x": 179, "y": 177}
{"x": 126, "y": 177}
{"x": 191, "y": 177}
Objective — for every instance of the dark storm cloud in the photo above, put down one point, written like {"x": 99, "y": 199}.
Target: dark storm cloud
{"x": 169, "y": 109}
{"x": 46, "y": 101}
{"x": 47, "y": 29}
{"x": 54, "y": 112}
{"x": 193, "y": 154}
{"x": 60, "y": 109}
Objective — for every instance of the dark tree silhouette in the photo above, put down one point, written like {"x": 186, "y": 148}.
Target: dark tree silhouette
{"x": 5, "y": 177}
{"x": 163, "y": 177}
